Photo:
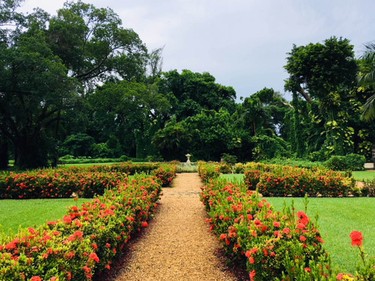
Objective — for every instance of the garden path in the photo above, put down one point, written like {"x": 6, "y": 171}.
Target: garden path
{"x": 177, "y": 245}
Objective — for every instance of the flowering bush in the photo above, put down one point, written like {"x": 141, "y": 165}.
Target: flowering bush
{"x": 76, "y": 181}
{"x": 273, "y": 245}
{"x": 253, "y": 232}
{"x": 86, "y": 240}
{"x": 57, "y": 184}
{"x": 208, "y": 171}
{"x": 166, "y": 173}
{"x": 276, "y": 180}
{"x": 126, "y": 167}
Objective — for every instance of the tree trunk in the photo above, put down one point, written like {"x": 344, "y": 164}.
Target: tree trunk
{"x": 31, "y": 153}
{"x": 4, "y": 156}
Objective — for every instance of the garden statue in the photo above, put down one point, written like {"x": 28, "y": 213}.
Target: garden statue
{"x": 188, "y": 159}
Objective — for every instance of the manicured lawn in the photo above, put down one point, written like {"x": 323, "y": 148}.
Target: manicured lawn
{"x": 338, "y": 217}
{"x": 364, "y": 175}
{"x": 31, "y": 213}
{"x": 235, "y": 178}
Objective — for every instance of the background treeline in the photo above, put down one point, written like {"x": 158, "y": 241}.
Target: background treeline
{"x": 79, "y": 84}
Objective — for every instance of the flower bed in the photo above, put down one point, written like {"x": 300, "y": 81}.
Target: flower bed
{"x": 81, "y": 182}
{"x": 166, "y": 173}
{"x": 252, "y": 232}
{"x": 273, "y": 245}
{"x": 276, "y": 180}
{"x": 86, "y": 240}
{"x": 208, "y": 171}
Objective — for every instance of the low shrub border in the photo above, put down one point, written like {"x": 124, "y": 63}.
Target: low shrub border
{"x": 255, "y": 234}
{"x": 275, "y": 180}
{"x": 86, "y": 240}
{"x": 76, "y": 181}
{"x": 273, "y": 245}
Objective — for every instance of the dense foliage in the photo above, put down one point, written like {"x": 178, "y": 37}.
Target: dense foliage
{"x": 86, "y": 240}
{"x": 273, "y": 245}
{"x": 80, "y": 84}
{"x": 77, "y": 182}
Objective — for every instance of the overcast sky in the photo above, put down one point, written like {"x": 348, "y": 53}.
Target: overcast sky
{"x": 242, "y": 43}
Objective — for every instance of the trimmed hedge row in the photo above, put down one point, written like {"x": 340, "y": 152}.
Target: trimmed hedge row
{"x": 208, "y": 171}
{"x": 77, "y": 181}
{"x": 57, "y": 184}
{"x": 273, "y": 245}
{"x": 254, "y": 234}
{"x": 277, "y": 180}
{"x": 86, "y": 240}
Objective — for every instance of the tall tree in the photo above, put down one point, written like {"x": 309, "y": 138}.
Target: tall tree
{"x": 129, "y": 111}
{"x": 190, "y": 93}
{"x": 94, "y": 46}
{"x": 326, "y": 73}
{"x": 366, "y": 77}
{"x": 34, "y": 87}
{"x": 46, "y": 64}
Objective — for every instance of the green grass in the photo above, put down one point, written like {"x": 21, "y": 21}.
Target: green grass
{"x": 31, "y": 213}
{"x": 364, "y": 175}
{"x": 338, "y": 217}
{"x": 235, "y": 178}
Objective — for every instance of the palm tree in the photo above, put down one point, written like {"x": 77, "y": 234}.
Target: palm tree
{"x": 366, "y": 77}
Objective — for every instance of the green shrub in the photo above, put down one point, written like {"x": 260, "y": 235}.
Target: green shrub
{"x": 353, "y": 162}
{"x": 368, "y": 188}
{"x": 225, "y": 168}
{"x": 239, "y": 168}
{"x": 277, "y": 180}
{"x": 229, "y": 158}
{"x": 86, "y": 240}
{"x": 253, "y": 233}
{"x": 208, "y": 171}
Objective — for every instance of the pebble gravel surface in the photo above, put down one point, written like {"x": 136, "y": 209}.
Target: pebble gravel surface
{"x": 177, "y": 245}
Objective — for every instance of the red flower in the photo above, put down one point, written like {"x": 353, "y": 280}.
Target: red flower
{"x": 303, "y": 218}
{"x": 144, "y": 224}
{"x": 36, "y": 278}
{"x": 94, "y": 256}
{"x": 252, "y": 275}
{"x": 67, "y": 219}
{"x": 302, "y": 238}
{"x": 357, "y": 238}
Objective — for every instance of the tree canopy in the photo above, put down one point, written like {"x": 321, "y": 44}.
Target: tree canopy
{"x": 80, "y": 84}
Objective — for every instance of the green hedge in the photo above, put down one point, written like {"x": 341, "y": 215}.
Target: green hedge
{"x": 86, "y": 240}
{"x": 352, "y": 162}
{"x": 277, "y": 180}
{"x": 76, "y": 181}
{"x": 254, "y": 234}
{"x": 273, "y": 245}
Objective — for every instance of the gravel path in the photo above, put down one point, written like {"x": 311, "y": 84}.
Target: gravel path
{"x": 177, "y": 245}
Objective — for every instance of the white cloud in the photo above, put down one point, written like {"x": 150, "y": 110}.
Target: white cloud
{"x": 243, "y": 43}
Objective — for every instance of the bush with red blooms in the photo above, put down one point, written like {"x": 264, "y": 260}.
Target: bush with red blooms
{"x": 77, "y": 181}
{"x": 274, "y": 245}
{"x": 277, "y": 180}
{"x": 253, "y": 232}
{"x": 166, "y": 173}
{"x": 86, "y": 240}
{"x": 208, "y": 171}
